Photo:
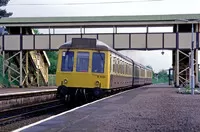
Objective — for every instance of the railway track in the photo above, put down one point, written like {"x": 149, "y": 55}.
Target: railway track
{"x": 22, "y": 113}
{"x": 12, "y": 119}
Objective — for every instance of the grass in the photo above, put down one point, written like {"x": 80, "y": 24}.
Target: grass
{"x": 52, "y": 80}
{"x": 160, "y": 80}
{"x": 187, "y": 90}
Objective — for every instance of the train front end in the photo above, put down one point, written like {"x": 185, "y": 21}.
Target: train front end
{"x": 82, "y": 68}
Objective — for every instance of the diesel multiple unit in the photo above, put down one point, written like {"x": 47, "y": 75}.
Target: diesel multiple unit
{"x": 90, "y": 66}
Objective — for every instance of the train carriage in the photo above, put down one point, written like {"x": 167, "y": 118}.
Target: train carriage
{"x": 137, "y": 74}
{"x": 149, "y": 74}
{"x": 121, "y": 71}
{"x": 90, "y": 66}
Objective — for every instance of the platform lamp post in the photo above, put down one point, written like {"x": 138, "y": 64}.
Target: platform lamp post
{"x": 192, "y": 83}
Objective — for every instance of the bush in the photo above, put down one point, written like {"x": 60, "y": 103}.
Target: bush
{"x": 53, "y": 57}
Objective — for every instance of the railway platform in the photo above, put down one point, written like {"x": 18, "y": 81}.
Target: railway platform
{"x": 16, "y": 97}
{"x": 148, "y": 108}
{"x": 13, "y": 91}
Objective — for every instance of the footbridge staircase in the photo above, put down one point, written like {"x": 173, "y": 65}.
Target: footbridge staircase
{"x": 35, "y": 64}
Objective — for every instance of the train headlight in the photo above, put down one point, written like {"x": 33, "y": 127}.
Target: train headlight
{"x": 97, "y": 84}
{"x": 65, "y": 81}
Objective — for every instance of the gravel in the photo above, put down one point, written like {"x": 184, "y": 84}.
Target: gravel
{"x": 16, "y": 125}
{"x": 30, "y": 120}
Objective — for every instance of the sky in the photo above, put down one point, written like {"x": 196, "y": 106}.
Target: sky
{"x": 49, "y": 8}
{"x": 136, "y": 7}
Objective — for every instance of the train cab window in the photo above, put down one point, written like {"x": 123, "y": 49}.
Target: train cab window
{"x": 82, "y": 62}
{"x": 98, "y": 60}
{"x": 67, "y": 61}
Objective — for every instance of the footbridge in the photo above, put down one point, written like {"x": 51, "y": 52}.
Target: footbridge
{"x": 179, "y": 39}
{"x": 33, "y": 64}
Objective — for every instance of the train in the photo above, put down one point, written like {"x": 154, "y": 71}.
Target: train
{"x": 89, "y": 67}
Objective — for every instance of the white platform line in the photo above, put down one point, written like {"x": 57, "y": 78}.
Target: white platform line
{"x": 27, "y": 92}
{"x": 49, "y": 118}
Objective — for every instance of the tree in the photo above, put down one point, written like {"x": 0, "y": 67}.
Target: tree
{"x": 163, "y": 76}
{"x": 3, "y": 12}
{"x": 52, "y": 55}
{"x": 36, "y": 31}
{"x": 149, "y": 67}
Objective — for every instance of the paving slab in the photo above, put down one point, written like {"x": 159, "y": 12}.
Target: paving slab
{"x": 155, "y": 108}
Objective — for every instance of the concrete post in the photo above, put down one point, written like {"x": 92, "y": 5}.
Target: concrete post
{"x": 27, "y": 72}
{"x": 177, "y": 68}
{"x": 196, "y": 68}
{"x": 3, "y": 63}
{"x": 20, "y": 63}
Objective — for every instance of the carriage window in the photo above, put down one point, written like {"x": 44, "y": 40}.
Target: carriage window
{"x": 82, "y": 62}
{"x": 122, "y": 67}
{"x": 118, "y": 63}
{"x": 131, "y": 70}
{"x": 126, "y": 69}
{"x": 114, "y": 65}
{"x": 67, "y": 61}
{"x": 111, "y": 63}
{"x": 119, "y": 67}
{"x": 98, "y": 62}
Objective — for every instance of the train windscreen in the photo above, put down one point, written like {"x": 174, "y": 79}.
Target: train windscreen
{"x": 98, "y": 62}
{"x": 67, "y": 61}
{"x": 82, "y": 62}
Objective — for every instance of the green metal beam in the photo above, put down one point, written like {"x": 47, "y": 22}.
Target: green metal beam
{"x": 137, "y": 18}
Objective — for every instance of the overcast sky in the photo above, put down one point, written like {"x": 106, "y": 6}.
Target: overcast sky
{"x": 45, "y": 8}
{"x": 136, "y": 7}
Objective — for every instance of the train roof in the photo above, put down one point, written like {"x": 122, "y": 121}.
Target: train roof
{"x": 92, "y": 43}
{"x": 88, "y": 43}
